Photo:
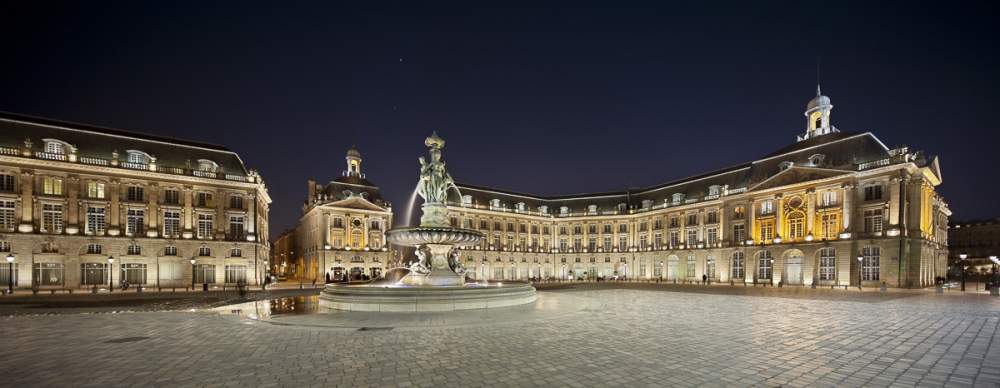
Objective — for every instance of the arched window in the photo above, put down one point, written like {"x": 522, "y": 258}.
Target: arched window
{"x": 53, "y": 146}
{"x": 827, "y": 263}
{"x": 819, "y": 123}
{"x": 207, "y": 165}
{"x": 137, "y": 157}
{"x": 764, "y": 263}
{"x": 738, "y": 266}
{"x": 356, "y": 239}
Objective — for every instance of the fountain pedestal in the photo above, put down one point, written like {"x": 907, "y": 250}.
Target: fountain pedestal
{"x": 441, "y": 273}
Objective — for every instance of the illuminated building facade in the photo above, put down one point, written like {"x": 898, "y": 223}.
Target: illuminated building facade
{"x": 73, "y": 196}
{"x": 342, "y": 229}
{"x": 833, "y": 208}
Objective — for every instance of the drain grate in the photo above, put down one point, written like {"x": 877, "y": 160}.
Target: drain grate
{"x": 125, "y": 339}
{"x": 367, "y": 328}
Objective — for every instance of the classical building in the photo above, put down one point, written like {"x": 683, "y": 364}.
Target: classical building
{"x": 286, "y": 262}
{"x": 978, "y": 240}
{"x": 342, "y": 229}
{"x": 833, "y": 208}
{"x": 84, "y": 206}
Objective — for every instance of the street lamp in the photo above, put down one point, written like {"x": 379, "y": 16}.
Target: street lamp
{"x": 962, "y": 256}
{"x": 192, "y": 273}
{"x": 111, "y": 270}
{"x": 860, "y": 271}
{"x": 993, "y": 283}
{"x": 10, "y": 273}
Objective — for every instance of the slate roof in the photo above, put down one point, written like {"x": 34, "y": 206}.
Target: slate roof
{"x": 341, "y": 188}
{"x": 100, "y": 142}
{"x": 842, "y": 151}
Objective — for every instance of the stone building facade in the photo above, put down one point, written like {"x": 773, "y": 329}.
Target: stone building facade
{"x": 832, "y": 209}
{"x": 978, "y": 240}
{"x": 286, "y": 260}
{"x": 84, "y": 206}
{"x": 341, "y": 233}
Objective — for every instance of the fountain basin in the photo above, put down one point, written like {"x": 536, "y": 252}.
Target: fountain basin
{"x": 421, "y": 235}
{"x": 401, "y": 298}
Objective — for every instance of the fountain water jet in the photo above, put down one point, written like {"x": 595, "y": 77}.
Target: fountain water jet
{"x": 436, "y": 282}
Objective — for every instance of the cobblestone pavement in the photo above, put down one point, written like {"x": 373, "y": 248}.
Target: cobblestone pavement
{"x": 623, "y": 337}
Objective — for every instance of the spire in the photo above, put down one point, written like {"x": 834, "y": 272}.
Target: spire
{"x": 818, "y": 92}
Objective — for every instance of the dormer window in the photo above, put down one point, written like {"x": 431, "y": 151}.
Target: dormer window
{"x": 786, "y": 165}
{"x": 138, "y": 157}
{"x": 714, "y": 190}
{"x": 543, "y": 209}
{"x": 520, "y": 206}
{"x": 591, "y": 209}
{"x": 622, "y": 207}
{"x": 207, "y": 165}
{"x": 677, "y": 198}
{"x": 647, "y": 203}
{"x": 495, "y": 203}
{"x": 53, "y": 146}
{"x": 817, "y": 159}
{"x": 466, "y": 200}
{"x": 563, "y": 210}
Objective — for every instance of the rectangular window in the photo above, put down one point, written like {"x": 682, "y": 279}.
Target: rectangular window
{"x": 95, "y": 190}
{"x": 235, "y": 202}
{"x": 673, "y": 222}
{"x": 713, "y": 217}
{"x": 675, "y": 239}
{"x": 135, "y": 222}
{"x": 578, "y": 229}
{"x": 658, "y": 241}
{"x": 796, "y": 227}
{"x": 642, "y": 242}
{"x": 48, "y": 274}
{"x": 739, "y": 212}
{"x": 171, "y": 197}
{"x": 622, "y": 228}
{"x": 829, "y": 199}
{"x": 170, "y": 251}
{"x": 7, "y": 221}
{"x": 764, "y": 265}
{"x": 134, "y": 273}
{"x": 338, "y": 222}
{"x": 592, "y": 244}
{"x": 204, "y": 251}
{"x": 203, "y": 199}
{"x": 739, "y": 233}
{"x": 692, "y": 219}
{"x": 52, "y": 218}
{"x": 563, "y": 247}
{"x": 6, "y": 273}
{"x": 690, "y": 267}
{"x": 204, "y": 226}
{"x": 236, "y": 227}
{"x": 766, "y": 231}
{"x": 622, "y": 244}
{"x": 870, "y": 263}
{"x": 135, "y": 194}
{"x": 7, "y": 183}
{"x": 712, "y": 236}
{"x": 873, "y": 221}
{"x": 607, "y": 243}
{"x": 577, "y": 246}
{"x": 204, "y": 273}
{"x": 52, "y": 186}
{"x": 94, "y": 274}
{"x": 95, "y": 220}
{"x": 236, "y": 274}
{"x": 827, "y": 263}
{"x": 692, "y": 237}
{"x": 873, "y": 192}
{"x": 134, "y": 249}
{"x": 766, "y": 207}
{"x": 607, "y": 228}
{"x": 171, "y": 224}
{"x": 830, "y": 226}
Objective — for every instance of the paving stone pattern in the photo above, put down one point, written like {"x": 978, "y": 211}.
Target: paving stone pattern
{"x": 625, "y": 338}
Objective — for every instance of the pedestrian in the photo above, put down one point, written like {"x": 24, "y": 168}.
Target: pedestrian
{"x": 704, "y": 279}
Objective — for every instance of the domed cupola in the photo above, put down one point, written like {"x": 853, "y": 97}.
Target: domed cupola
{"x": 353, "y": 162}
{"x": 818, "y": 116}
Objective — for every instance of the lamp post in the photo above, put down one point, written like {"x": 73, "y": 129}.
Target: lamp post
{"x": 993, "y": 282}
{"x": 192, "y": 273}
{"x": 962, "y": 256}
{"x": 860, "y": 271}
{"x": 771, "y": 280}
{"x": 111, "y": 271}
{"x": 10, "y": 273}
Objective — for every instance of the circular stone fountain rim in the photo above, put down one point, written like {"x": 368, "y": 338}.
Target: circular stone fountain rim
{"x": 396, "y": 234}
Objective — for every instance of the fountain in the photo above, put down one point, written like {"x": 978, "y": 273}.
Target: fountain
{"x": 436, "y": 281}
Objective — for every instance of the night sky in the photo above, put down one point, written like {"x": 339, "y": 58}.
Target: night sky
{"x": 539, "y": 100}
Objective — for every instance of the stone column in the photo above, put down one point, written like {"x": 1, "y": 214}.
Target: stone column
{"x": 221, "y": 223}
{"x": 779, "y": 212}
{"x": 73, "y": 204}
{"x": 27, "y": 202}
{"x": 188, "y": 212}
{"x": 251, "y": 225}
{"x": 810, "y": 211}
{"x": 721, "y": 231}
{"x": 115, "y": 209}
{"x": 751, "y": 224}
{"x": 894, "y": 198}
{"x": 152, "y": 210}
{"x": 846, "y": 213}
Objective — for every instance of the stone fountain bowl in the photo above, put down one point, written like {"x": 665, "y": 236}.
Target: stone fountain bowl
{"x": 420, "y": 235}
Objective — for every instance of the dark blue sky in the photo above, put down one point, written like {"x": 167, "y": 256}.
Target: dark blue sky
{"x": 542, "y": 100}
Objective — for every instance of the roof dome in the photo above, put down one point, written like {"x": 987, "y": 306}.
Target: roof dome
{"x": 353, "y": 152}
{"x": 819, "y": 100}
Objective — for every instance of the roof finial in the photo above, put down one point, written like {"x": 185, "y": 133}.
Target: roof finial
{"x": 818, "y": 93}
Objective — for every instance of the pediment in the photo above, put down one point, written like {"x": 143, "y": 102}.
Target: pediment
{"x": 795, "y": 174}
{"x": 356, "y": 202}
